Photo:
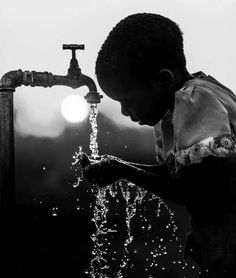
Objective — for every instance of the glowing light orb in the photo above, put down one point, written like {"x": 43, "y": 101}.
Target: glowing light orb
{"x": 74, "y": 108}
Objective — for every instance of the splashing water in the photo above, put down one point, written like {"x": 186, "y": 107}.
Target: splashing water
{"x": 77, "y": 157}
{"x": 98, "y": 264}
{"x": 54, "y": 211}
{"x": 131, "y": 207}
{"x": 136, "y": 202}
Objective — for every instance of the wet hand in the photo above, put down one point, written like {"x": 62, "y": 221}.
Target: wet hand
{"x": 104, "y": 170}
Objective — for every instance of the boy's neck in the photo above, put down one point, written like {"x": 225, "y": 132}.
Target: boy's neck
{"x": 181, "y": 79}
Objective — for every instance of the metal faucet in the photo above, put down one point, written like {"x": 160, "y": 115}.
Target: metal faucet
{"x": 73, "y": 79}
{"x": 8, "y": 83}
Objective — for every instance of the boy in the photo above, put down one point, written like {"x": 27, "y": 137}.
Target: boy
{"x": 142, "y": 65}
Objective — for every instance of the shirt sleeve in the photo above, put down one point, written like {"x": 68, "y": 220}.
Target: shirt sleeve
{"x": 201, "y": 126}
{"x": 198, "y": 115}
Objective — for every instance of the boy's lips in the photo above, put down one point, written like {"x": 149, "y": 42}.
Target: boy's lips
{"x": 134, "y": 120}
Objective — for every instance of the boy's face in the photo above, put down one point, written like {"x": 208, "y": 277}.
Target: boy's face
{"x": 145, "y": 105}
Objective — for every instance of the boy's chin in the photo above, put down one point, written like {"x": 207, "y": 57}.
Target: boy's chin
{"x": 149, "y": 123}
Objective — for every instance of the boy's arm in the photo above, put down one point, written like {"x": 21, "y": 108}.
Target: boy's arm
{"x": 155, "y": 169}
{"x": 200, "y": 182}
{"x": 213, "y": 181}
{"x": 158, "y": 181}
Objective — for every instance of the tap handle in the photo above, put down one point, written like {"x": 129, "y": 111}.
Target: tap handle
{"x": 73, "y": 48}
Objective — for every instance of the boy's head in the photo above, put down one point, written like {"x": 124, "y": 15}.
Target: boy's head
{"x": 139, "y": 61}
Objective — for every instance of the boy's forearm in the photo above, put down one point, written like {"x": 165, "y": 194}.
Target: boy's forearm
{"x": 155, "y": 169}
{"x": 161, "y": 184}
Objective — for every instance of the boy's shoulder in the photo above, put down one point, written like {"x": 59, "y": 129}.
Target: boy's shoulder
{"x": 202, "y": 85}
{"x": 203, "y": 109}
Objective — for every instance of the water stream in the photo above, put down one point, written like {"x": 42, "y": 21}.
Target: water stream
{"x": 114, "y": 255}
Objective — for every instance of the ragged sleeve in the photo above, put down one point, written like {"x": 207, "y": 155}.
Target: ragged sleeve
{"x": 201, "y": 126}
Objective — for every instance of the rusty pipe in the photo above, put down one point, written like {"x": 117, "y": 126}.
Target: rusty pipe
{"x": 7, "y": 197}
{"x": 74, "y": 79}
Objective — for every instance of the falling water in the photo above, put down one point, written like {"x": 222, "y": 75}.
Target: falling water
{"x": 93, "y": 135}
{"x": 98, "y": 264}
{"x": 135, "y": 198}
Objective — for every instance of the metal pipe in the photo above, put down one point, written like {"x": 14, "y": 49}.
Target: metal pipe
{"x": 45, "y": 79}
{"x": 7, "y": 191}
{"x": 17, "y": 78}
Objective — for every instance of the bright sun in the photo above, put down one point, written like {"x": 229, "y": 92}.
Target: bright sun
{"x": 74, "y": 108}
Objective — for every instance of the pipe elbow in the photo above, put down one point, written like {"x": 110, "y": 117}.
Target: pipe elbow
{"x": 88, "y": 81}
{"x": 12, "y": 79}
{"x": 92, "y": 97}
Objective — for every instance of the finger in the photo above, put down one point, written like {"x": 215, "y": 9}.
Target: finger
{"x": 91, "y": 174}
{"x": 85, "y": 160}
{"x": 87, "y": 173}
{"x": 96, "y": 158}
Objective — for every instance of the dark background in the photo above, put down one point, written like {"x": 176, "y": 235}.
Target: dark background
{"x": 48, "y": 245}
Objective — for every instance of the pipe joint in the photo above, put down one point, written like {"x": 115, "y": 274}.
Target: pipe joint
{"x": 11, "y": 80}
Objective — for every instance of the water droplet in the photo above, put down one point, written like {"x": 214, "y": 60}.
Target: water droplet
{"x": 54, "y": 211}
{"x": 76, "y": 184}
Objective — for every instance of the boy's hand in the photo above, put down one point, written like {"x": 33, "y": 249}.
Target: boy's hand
{"x": 103, "y": 171}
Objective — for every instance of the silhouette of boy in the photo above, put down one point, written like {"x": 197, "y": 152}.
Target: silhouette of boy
{"x": 142, "y": 65}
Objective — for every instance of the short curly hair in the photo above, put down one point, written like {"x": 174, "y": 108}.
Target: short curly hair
{"x": 139, "y": 45}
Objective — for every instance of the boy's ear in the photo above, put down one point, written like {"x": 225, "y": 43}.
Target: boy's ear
{"x": 165, "y": 77}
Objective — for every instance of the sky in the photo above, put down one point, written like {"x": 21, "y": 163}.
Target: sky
{"x": 32, "y": 34}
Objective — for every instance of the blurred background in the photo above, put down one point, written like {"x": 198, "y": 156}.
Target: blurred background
{"x": 47, "y": 135}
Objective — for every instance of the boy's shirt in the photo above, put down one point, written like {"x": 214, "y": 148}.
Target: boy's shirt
{"x": 203, "y": 123}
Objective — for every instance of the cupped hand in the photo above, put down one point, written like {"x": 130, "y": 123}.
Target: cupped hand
{"x": 103, "y": 170}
